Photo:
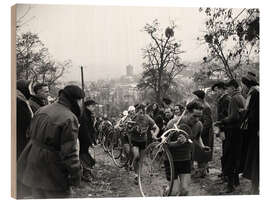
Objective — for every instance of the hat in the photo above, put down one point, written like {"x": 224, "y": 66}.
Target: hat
{"x": 89, "y": 101}
{"x": 219, "y": 84}
{"x": 72, "y": 92}
{"x": 232, "y": 83}
{"x": 199, "y": 93}
{"x": 250, "y": 79}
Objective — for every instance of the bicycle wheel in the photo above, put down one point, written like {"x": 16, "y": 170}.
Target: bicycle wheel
{"x": 156, "y": 172}
{"x": 119, "y": 155}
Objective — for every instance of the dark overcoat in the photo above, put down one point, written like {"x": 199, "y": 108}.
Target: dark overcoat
{"x": 234, "y": 137}
{"x": 251, "y": 157}
{"x": 23, "y": 119}
{"x": 50, "y": 161}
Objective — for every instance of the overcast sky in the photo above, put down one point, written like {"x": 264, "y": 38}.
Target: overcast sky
{"x": 106, "y": 39}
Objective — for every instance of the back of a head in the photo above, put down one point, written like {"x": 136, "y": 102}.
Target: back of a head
{"x": 72, "y": 93}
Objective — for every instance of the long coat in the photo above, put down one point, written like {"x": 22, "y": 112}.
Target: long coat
{"x": 251, "y": 157}
{"x": 234, "y": 139}
{"x": 87, "y": 137}
{"x": 207, "y": 121}
{"x": 222, "y": 112}
{"x": 23, "y": 118}
{"x": 50, "y": 161}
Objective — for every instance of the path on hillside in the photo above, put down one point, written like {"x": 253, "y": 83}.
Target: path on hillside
{"x": 110, "y": 181}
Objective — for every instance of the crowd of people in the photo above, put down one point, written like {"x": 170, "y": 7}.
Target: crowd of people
{"x": 53, "y": 140}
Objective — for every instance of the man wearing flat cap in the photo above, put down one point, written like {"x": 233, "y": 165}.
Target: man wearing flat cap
{"x": 49, "y": 164}
{"x": 207, "y": 132}
{"x": 223, "y": 101}
{"x": 87, "y": 137}
{"x": 251, "y": 125}
{"x": 233, "y": 139}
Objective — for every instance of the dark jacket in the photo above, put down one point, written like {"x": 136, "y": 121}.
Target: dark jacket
{"x": 36, "y": 102}
{"x": 223, "y": 106}
{"x": 87, "y": 131}
{"x": 234, "y": 118}
{"x": 234, "y": 139}
{"x": 207, "y": 121}
{"x": 50, "y": 161}
{"x": 23, "y": 119}
{"x": 251, "y": 153}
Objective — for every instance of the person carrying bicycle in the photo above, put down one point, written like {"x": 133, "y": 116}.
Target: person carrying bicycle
{"x": 145, "y": 124}
{"x": 182, "y": 145}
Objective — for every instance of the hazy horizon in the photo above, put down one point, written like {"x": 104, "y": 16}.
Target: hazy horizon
{"x": 105, "y": 39}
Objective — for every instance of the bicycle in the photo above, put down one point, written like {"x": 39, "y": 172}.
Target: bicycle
{"x": 155, "y": 177}
{"x": 120, "y": 154}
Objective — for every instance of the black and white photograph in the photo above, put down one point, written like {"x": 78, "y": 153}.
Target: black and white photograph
{"x": 135, "y": 101}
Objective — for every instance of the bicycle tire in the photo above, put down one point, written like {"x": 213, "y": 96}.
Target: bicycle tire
{"x": 121, "y": 159}
{"x": 153, "y": 182}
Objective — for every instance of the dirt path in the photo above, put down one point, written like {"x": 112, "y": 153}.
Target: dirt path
{"x": 110, "y": 181}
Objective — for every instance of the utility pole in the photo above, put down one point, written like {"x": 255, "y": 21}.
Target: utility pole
{"x": 82, "y": 85}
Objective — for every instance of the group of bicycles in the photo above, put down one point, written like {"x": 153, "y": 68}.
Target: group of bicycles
{"x": 154, "y": 178}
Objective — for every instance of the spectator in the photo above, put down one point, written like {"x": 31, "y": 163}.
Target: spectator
{"x": 223, "y": 101}
{"x": 251, "y": 126}
{"x": 87, "y": 137}
{"x": 40, "y": 98}
{"x": 23, "y": 119}
{"x": 234, "y": 139}
{"x": 50, "y": 163}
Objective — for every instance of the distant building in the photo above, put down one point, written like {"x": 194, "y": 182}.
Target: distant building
{"x": 130, "y": 70}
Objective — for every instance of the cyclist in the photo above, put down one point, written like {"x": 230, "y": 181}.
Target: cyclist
{"x": 139, "y": 137}
{"x": 181, "y": 148}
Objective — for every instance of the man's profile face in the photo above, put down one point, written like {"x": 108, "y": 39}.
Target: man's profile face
{"x": 194, "y": 116}
{"x": 43, "y": 92}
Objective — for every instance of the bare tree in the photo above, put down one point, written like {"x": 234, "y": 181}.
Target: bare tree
{"x": 162, "y": 60}
{"x": 231, "y": 38}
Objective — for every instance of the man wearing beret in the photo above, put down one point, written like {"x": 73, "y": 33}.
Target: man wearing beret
{"x": 234, "y": 139}
{"x": 49, "y": 164}
{"x": 251, "y": 123}
{"x": 223, "y": 101}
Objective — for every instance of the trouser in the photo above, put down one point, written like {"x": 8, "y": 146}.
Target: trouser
{"x": 233, "y": 147}
{"x": 45, "y": 194}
